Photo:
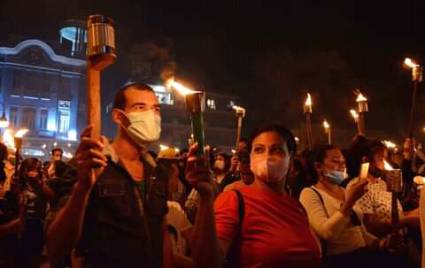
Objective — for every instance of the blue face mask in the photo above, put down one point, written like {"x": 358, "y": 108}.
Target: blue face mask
{"x": 336, "y": 176}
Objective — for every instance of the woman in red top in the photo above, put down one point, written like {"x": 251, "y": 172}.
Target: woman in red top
{"x": 274, "y": 230}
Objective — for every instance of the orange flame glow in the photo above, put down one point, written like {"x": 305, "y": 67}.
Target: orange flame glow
{"x": 411, "y": 64}
{"x": 326, "y": 124}
{"x": 308, "y": 101}
{"x": 181, "y": 89}
{"x": 360, "y": 97}
{"x": 8, "y": 136}
{"x": 387, "y": 166}
{"x": 354, "y": 114}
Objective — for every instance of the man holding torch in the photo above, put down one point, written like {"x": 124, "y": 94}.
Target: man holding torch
{"x": 113, "y": 215}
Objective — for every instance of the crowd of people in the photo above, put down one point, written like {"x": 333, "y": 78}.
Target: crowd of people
{"x": 268, "y": 204}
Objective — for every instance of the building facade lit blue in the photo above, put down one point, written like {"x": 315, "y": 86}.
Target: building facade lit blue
{"x": 42, "y": 91}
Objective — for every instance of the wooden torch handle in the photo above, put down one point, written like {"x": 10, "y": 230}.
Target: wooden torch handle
{"x": 93, "y": 100}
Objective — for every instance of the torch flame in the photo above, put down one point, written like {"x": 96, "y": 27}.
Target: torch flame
{"x": 171, "y": 83}
{"x": 8, "y": 136}
{"x": 21, "y": 132}
{"x": 411, "y": 64}
{"x": 237, "y": 108}
{"x": 163, "y": 147}
{"x": 387, "y": 166}
{"x": 389, "y": 144}
{"x": 308, "y": 101}
{"x": 360, "y": 97}
{"x": 354, "y": 114}
{"x": 326, "y": 124}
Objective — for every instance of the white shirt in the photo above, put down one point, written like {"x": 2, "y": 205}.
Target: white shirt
{"x": 178, "y": 219}
{"x": 331, "y": 225}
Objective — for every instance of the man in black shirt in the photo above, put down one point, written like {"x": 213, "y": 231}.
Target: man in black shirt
{"x": 113, "y": 214}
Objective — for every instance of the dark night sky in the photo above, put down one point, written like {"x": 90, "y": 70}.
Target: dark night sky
{"x": 272, "y": 49}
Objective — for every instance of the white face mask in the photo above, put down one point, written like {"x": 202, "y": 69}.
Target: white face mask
{"x": 270, "y": 169}
{"x": 145, "y": 127}
{"x": 336, "y": 176}
{"x": 219, "y": 164}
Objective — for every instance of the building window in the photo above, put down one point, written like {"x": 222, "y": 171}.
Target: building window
{"x": 32, "y": 84}
{"x": 13, "y": 116}
{"x": 164, "y": 98}
{"x": 28, "y": 118}
{"x": 63, "y": 121}
{"x": 64, "y": 115}
{"x": 46, "y": 87}
{"x": 44, "y": 114}
{"x": 211, "y": 104}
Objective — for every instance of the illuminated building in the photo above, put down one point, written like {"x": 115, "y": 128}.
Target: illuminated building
{"x": 40, "y": 90}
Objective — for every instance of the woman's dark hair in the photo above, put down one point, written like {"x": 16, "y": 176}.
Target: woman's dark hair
{"x": 358, "y": 149}
{"x": 281, "y": 130}
{"x": 317, "y": 155}
{"x": 375, "y": 147}
{"x": 226, "y": 160}
{"x": 28, "y": 165}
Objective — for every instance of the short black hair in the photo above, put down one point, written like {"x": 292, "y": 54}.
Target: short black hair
{"x": 285, "y": 133}
{"x": 120, "y": 100}
{"x": 57, "y": 149}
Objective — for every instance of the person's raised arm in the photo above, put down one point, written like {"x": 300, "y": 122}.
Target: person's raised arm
{"x": 206, "y": 248}
{"x": 65, "y": 229}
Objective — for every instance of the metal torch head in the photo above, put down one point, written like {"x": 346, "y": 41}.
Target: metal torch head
{"x": 100, "y": 41}
{"x": 195, "y": 102}
{"x": 393, "y": 179}
{"x": 240, "y": 113}
{"x": 308, "y": 109}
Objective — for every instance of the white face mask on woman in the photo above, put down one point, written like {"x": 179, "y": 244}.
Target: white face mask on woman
{"x": 270, "y": 169}
{"x": 219, "y": 164}
{"x": 336, "y": 176}
{"x": 144, "y": 127}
